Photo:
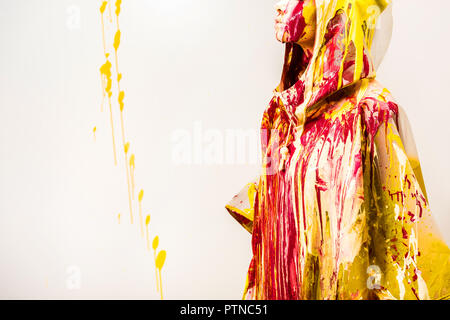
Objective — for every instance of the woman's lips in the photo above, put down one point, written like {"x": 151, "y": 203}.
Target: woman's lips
{"x": 279, "y": 19}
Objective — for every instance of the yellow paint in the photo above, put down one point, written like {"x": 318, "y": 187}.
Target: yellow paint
{"x": 103, "y": 95}
{"x": 107, "y": 93}
{"x": 403, "y": 207}
{"x": 156, "y": 272}
{"x": 246, "y": 212}
{"x": 309, "y": 14}
{"x": 118, "y": 3}
{"x": 132, "y": 167}
{"x": 109, "y": 11}
{"x": 160, "y": 259}
{"x": 102, "y": 10}
{"x": 155, "y": 246}
{"x": 141, "y": 196}
{"x": 116, "y": 40}
{"x": 121, "y": 97}
{"x": 103, "y": 6}
{"x": 112, "y": 130}
{"x": 105, "y": 70}
{"x": 415, "y": 164}
{"x": 126, "y": 148}
{"x": 147, "y": 222}
{"x": 348, "y": 104}
{"x": 155, "y": 243}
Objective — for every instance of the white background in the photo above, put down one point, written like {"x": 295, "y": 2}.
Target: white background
{"x": 214, "y": 62}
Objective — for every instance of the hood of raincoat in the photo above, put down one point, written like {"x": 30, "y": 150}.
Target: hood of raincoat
{"x": 341, "y": 55}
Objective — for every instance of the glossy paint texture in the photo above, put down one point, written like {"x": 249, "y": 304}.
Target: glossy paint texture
{"x": 340, "y": 210}
{"x": 295, "y": 21}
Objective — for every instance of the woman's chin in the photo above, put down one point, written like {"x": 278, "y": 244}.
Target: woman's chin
{"x": 279, "y": 34}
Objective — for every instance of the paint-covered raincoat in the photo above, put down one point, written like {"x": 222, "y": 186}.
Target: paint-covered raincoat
{"x": 340, "y": 210}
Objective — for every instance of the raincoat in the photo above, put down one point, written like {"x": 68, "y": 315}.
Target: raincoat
{"x": 340, "y": 209}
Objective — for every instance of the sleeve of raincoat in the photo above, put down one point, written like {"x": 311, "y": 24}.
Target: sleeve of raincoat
{"x": 241, "y": 207}
{"x": 407, "y": 247}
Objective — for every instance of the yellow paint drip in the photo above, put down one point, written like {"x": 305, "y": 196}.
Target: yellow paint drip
{"x": 105, "y": 71}
{"x": 141, "y": 196}
{"x": 159, "y": 262}
{"x": 147, "y": 222}
{"x": 132, "y": 168}
{"x": 155, "y": 243}
{"x": 118, "y": 3}
{"x": 415, "y": 164}
{"x": 103, "y": 7}
{"x": 160, "y": 259}
{"x": 117, "y": 40}
{"x": 121, "y": 97}
{"x": 109, "y": 12}
{"x": 107, "y": 93}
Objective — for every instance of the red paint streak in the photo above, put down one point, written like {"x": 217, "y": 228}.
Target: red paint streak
{"x": 412, "y": 216}
{"x": 407, "y": 181}
{"x": 295, "y": 25}
{"x": 405, "y": 233}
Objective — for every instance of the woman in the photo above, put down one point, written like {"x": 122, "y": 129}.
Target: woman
{"x": 340, "y": 210}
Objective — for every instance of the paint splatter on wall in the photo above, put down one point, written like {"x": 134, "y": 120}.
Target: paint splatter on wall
{"x": 111, "y": 77}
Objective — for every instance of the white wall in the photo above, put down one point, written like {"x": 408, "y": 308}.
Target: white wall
{"x": 185, "y": 64}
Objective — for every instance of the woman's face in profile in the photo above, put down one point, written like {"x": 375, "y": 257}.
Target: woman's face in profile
{"x": 295, "y": 21}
